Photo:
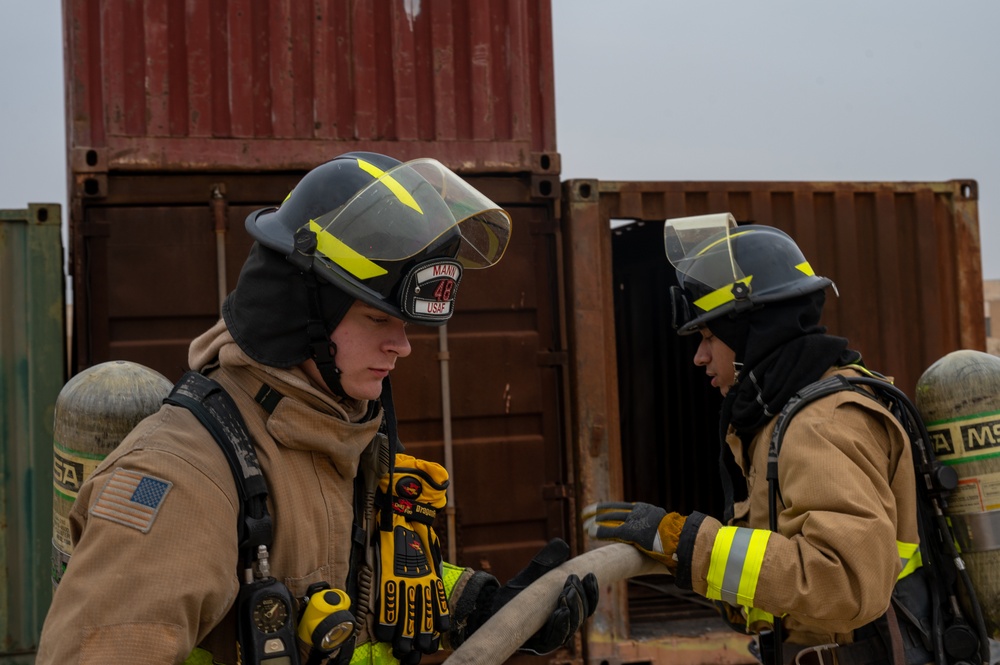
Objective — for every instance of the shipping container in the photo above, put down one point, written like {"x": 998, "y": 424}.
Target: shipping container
{"x": 558, "y": 381}
{"x": 32, "y": 370}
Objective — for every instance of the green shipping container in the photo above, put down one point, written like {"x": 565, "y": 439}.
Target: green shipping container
{"x": 32, "y": 371}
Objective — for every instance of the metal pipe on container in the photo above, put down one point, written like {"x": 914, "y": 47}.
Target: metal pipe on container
{"x": 449, "y": 510}
{"x": 218, "y": 204}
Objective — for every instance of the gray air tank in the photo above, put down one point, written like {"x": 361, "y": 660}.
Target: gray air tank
{"x": 959, "y": 401}
{"x": 93, "y": 413}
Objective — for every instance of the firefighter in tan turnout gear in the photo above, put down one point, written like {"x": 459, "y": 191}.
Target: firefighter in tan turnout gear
{"x": 843, "y": 529}
{"x": 160, "y": 571}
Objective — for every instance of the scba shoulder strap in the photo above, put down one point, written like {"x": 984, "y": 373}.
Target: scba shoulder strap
{"x": 216, "y": 411}
{"x": 262, "y": 636}
{"x": 943, "y": 563}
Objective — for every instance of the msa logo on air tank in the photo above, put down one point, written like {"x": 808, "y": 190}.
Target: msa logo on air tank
{"x": 981, "y": 436}
{"x": 67, "y": 474}
{"x": 966, "y": 437}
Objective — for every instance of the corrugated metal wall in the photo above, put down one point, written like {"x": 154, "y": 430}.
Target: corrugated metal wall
{"x": 276, "y": 84}
{"x": 32, "y": 371}
{"x": 905, "y": 256}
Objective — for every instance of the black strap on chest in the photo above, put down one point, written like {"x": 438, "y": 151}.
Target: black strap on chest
{"x": 215, "y": 409}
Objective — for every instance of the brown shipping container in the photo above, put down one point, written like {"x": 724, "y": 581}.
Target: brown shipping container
{"x": 558, "y": 381}
{"x": 278, "y": 85}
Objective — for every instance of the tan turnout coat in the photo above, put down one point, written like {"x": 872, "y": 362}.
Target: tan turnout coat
{"x": 847, "y": 483}
{"x": 152, "y": 597}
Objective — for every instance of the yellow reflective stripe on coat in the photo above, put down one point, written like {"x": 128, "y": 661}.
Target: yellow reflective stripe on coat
{"x": 199, "y": 657}
{"x": 755, "y": 618}
{"x": 377, "y": 653}
{"x": 720, "y": 296}
{"x": 909, "y": 558}
{"x": 337, "y": 251}
{"x": 450, "y": 575}
{"x": 737, "y": 556}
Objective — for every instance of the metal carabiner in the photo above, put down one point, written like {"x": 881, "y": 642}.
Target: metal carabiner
{"x": 818, "y": 650}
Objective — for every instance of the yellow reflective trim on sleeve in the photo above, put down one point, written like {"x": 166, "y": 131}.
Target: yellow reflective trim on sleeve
{"x": 334, "y": 249}
{"x": 756, "y": 617}
{"x": 720, "y": 296}
{"x": 199, "y": 657}
{"x": 377, "y": 653}
{"x": 717, "y": 564}
{"x": 805, "y": 268}
{"x": 752, "y": 564}
{"x": 734, "y": 569}
{"x": 450, "y": 575}
{"x": 909, "y": 558}
{"x": 404, "y": 196}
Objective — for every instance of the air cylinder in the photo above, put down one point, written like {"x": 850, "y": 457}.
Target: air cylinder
{"x": 93, "y": 413}
{"x": 959, "y": 401}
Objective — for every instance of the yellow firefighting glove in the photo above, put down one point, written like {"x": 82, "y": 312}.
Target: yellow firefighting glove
{"x": 650, "y": 529}
{"x": 412, "y": 605}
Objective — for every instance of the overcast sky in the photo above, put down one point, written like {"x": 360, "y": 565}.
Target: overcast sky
{"x": 884, "y": 90}
{"x": 896, "y": 90}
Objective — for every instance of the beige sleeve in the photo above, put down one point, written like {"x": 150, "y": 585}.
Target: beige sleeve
{"x": 148, "y": 596}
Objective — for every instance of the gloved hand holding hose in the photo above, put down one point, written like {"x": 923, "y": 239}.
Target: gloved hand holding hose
{"x": 652, "y": 530}
{"x": 577, "y": 600}
{"x": 526, "y": 614}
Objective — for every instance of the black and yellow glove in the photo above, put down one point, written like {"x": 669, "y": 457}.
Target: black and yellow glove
{"x": 412, "y": 605}
{"x": 650, "y": 529}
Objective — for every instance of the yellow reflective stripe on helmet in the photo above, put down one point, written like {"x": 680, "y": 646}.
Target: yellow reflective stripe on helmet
{"x": 909, "y": 558}
{"x": 334, "y": 249}
{"x": 720, "y": 296}
{"x": 404, "y": 196}
{"x": 735, "y": 566}
{"x": 806, "y": 269}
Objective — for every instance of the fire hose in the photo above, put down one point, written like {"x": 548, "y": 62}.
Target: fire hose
{"x": 519, "y": 619}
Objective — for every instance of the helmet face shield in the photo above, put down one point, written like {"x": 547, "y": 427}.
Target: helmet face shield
{"x": 402, "y": 239}
{"x": 700, "y": 249}
{"x": 404, "y": 211}
{"x": 680, "y": 308}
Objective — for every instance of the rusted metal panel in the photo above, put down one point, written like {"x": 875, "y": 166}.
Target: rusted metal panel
{"x": 166, "y": 85}
{"x": 905, "y": 258}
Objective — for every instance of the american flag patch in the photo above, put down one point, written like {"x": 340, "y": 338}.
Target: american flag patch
{"x": 131, "y": 498}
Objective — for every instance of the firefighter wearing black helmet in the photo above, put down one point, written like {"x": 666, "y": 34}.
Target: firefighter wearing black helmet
{"x": 817, "y": 572}
{"x": 363, "y": 246}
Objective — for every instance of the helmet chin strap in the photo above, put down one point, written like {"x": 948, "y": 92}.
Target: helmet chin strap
{"x": 324, "y": 352}
{"x": 325, "y": 362}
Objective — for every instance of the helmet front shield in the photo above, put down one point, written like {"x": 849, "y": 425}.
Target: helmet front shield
{"x": 405, "y": 211}
{"x": 701, "y": 250}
